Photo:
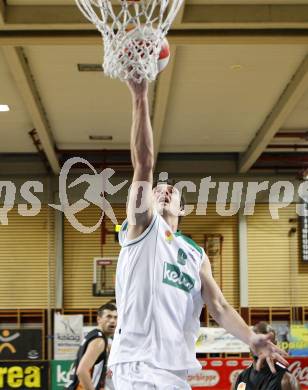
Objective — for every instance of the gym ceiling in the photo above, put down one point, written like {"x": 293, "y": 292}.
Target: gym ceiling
{"x": 234, "y": 98}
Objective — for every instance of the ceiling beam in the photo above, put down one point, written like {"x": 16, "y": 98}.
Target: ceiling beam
{"x": 2, "y": 12}
{"x": 209, "y": 16}
{"x": 285, "y": 105}
{"x": 45, "y": 17}
{"x": 179, "y": 16}
{"x": 246, "y": 15}
{"x": 161, "y": 100}
{"x": 175, "y": 37}
{"x": 24, "y": 82}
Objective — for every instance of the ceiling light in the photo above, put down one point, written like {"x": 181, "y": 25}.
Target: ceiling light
{"x": 236, "y": 67}
{"x": 101, "y": 137}
{"x": 90, "y": 68}
{"x": 4, "y": 108}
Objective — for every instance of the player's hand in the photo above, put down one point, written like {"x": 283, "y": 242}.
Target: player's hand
{"x": 138, "y": 89}
{"x": 262, "y": 346}
{"x": 109, "y": 374}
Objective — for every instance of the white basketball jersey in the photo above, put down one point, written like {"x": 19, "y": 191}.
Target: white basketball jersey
{"x": 158, "y": 292}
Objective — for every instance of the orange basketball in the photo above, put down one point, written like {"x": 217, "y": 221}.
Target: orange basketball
{"x": 164, "y": 55}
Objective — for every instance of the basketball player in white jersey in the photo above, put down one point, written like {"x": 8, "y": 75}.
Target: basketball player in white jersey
{"x": 163, "y": 280}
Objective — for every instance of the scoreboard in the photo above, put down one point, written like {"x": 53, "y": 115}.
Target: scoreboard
{"x": 304, "y": 231}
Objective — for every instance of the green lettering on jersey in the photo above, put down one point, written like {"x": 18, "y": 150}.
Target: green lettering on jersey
{"x": 189, "y": 241}
{"x": 174, "y": 277}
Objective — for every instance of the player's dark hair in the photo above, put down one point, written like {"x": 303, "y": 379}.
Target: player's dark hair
{"x": 107, "y": 306}
{"x": 263, "y": 327}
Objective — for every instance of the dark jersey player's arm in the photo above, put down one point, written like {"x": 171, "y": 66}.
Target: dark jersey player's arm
{"x": 142, "y": 155}
{"x": 94, "y": 350}
{"x": 235, "y": 382}
{"x": 289, "y": 382}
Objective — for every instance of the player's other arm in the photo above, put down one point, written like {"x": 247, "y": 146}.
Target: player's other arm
{"x": 289, "y": 382}
{"x": 95, "y": 348}
{"x": 219, "y": 308}
{"x": 228, "y": 318}
{"x": 139, "y": 210}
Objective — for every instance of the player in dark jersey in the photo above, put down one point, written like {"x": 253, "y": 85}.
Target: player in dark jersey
{"x": 260, "y": 377}
{"x": 89, "y": 370}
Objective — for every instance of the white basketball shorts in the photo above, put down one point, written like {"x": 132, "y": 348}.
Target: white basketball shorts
{"x": 144, "y": 376}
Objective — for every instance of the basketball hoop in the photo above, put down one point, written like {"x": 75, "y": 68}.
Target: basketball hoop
{"x": 104, "y": 270}
{"x": 133, "y": 33}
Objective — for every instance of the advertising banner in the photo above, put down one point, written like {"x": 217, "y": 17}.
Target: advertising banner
{"x": 217, "y": 340}
{"x": 20, "y": 344}
{"x": 220, "y": 373}
{"x": 60, "y": 373}
{"x": 68, "y": 336}
{"x": 282, "y": 330}
{"x": 23, "y": 375}
{"x": 299, "y": 340}
{"x": 86, "y": 330}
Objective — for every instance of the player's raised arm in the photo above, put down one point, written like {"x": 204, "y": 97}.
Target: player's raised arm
{"x": 139, "y": 210}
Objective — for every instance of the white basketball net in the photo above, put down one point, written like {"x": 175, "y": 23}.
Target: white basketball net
{"x": 133, "y": 32}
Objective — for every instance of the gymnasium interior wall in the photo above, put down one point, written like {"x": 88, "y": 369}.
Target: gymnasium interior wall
{"x": 277, "y": 275}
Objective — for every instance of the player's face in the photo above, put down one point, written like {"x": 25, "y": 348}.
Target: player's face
{"x": 108, "y": 321}
{"x": 167, "y": 199}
